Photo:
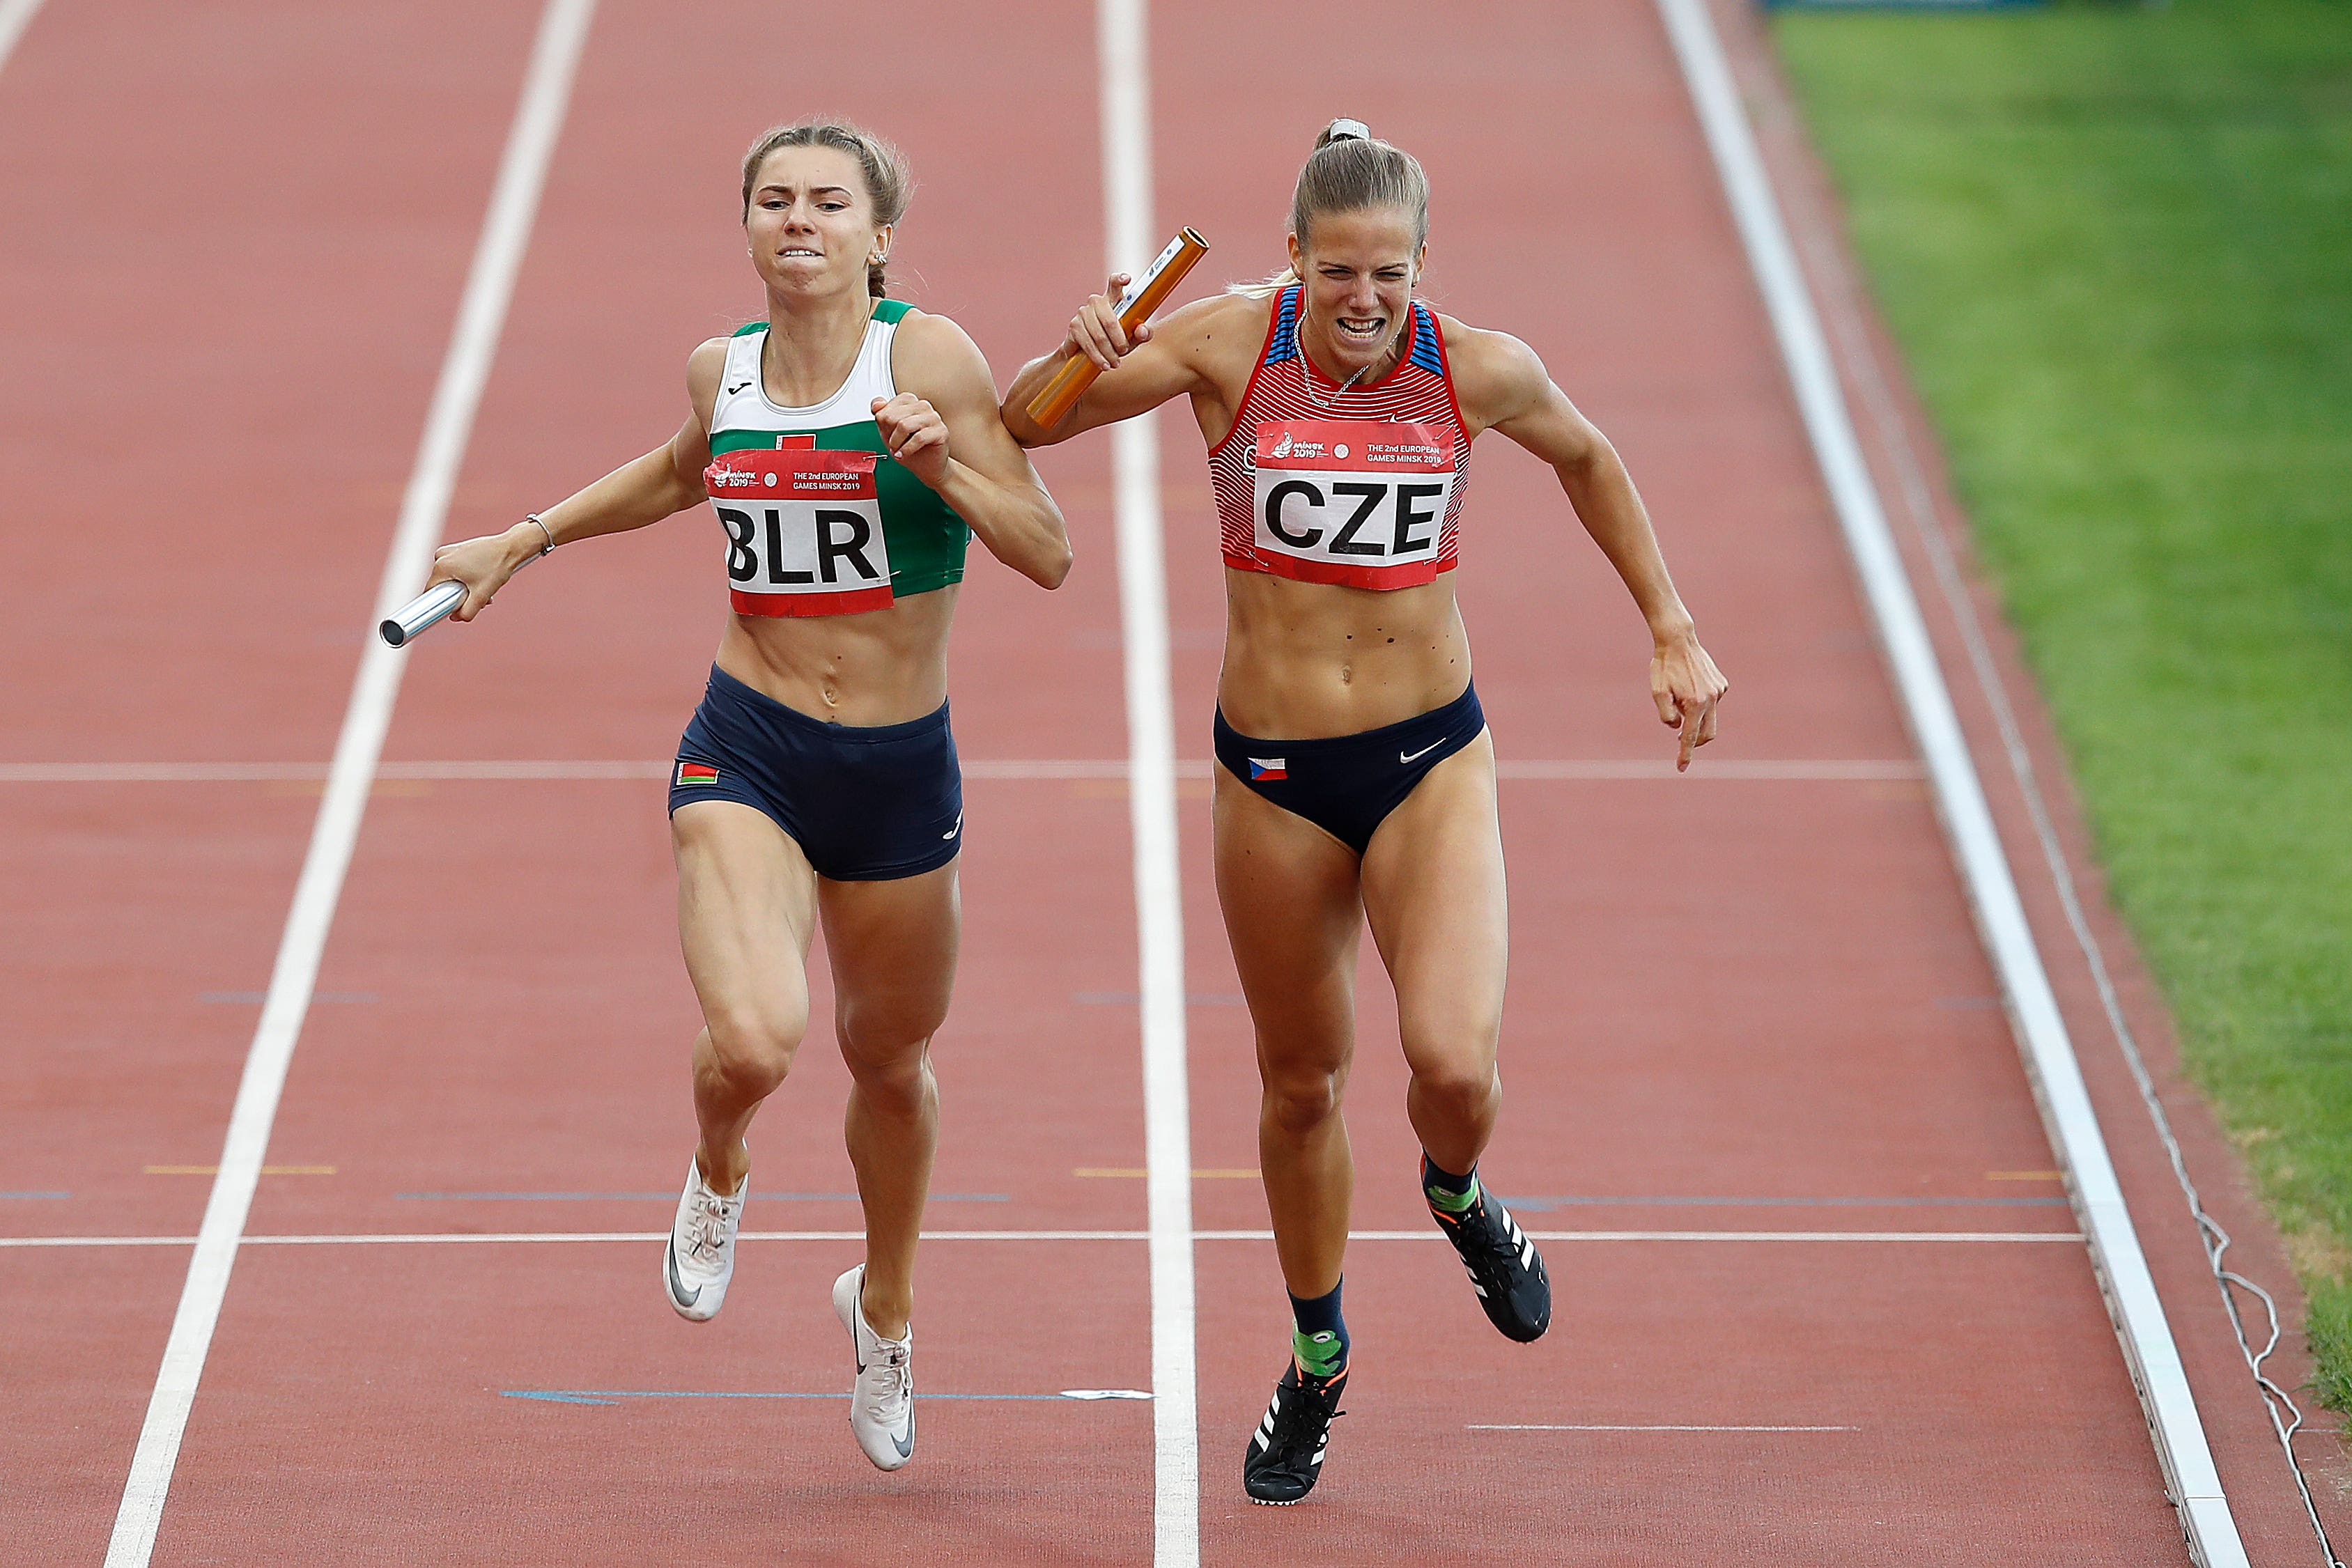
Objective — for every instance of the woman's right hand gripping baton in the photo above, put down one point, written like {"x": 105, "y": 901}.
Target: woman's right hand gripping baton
{"x": 1110, "y": 325}
{"x": 467, "y": 576}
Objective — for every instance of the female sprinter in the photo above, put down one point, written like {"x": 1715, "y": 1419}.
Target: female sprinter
{"x": 1357, "y": 778}
{"x": 846, "y": 442}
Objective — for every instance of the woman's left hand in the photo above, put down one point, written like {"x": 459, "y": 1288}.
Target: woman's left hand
{"x": 1687, "y": 687}
{"x": 914, "y": 433}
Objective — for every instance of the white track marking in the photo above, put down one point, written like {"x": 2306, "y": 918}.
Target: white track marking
{"x": 156, "y": 772}
{"x": 15, "y": 15}
{"x": 1567, "y": 1427}
{"x": 563, "y": 27}
{"x": 1122, "y": 39}
{"x": 1705, "y": 769}
{"x": 406, "y": 1238}
{"x": 2138, "y": 1312}
{"x": 1830, "y": 770}
{"x": 97, "y": 1241}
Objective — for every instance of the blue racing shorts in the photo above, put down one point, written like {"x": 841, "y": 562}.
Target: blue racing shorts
{"x": 865, "y": 804}
{"x": 1348, "y": 784}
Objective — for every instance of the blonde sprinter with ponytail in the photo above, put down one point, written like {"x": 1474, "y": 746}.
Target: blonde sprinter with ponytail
{"x": 1356, "y": 778}
{"x": 849, "y": 446}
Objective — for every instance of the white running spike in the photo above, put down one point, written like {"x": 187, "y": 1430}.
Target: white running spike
{"x": 698, "y": 1259}
{"x": 882, "y": 1397}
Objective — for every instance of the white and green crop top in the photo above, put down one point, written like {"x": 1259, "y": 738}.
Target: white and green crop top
{"x": 819, "y": 521}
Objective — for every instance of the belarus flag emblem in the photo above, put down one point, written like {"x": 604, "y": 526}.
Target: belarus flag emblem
{"x": 696, "y": 773}
{"x": 1269, "y": 767}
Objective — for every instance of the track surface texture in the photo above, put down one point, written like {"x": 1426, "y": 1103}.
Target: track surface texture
{"x": 1750, "y": 1022}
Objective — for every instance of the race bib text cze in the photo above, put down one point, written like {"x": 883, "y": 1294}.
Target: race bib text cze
{"x": 1357, "y": 502}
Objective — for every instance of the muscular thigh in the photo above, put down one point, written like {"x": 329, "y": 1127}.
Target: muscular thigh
{"x": 1433, "y": 894}
{"x": 893, "y": 949}
{"x": 746, "y": 913}
{"x": 1288, "y": 891}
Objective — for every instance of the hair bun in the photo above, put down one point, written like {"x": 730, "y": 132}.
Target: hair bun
{"x": 1343, "y": 131}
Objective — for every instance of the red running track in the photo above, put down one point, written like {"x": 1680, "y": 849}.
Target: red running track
{"x": 1742, "y": 1004}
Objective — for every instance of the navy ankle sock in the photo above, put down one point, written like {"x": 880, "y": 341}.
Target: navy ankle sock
{"x": 1319, "y": 1336}
{"x": 1453, "y": 1194}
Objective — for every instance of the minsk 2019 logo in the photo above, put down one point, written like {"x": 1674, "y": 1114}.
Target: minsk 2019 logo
{"x": 1281, "y": 448}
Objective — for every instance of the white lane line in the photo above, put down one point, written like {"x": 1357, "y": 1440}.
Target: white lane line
{"x": 563, "y": 27}
{"x": 418, "y": 1238}
{"x": 156, "y": 772}
{"x": 15, "y": 15}
{"x": 1744, "y": 769}
{"x": 1830, "y": 770}
{"x": 2138, "y": 1310}
{"x": 97, "y": 1241}
{"x": 1596, "y": 1427}
{"x": 1122, "y": 39}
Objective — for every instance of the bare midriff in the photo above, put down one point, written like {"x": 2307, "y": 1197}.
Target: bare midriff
{"x": 882, "y": 666}
{"x": 1305, "y": 661}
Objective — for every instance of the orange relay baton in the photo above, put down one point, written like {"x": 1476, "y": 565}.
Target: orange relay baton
{"x": 1143, "y": 295}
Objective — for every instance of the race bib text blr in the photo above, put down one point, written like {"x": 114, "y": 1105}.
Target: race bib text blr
{"x": 803, "y": 531}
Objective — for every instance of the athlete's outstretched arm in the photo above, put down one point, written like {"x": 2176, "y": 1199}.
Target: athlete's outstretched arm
{"x": 640, "y": 492}
{"x": 948, "y": 434}
{"x": 1505, "y": 387}
{"x": 1140, "y": 373}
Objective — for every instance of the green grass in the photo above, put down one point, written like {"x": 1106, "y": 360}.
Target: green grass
{"x": 2115, "y": 245}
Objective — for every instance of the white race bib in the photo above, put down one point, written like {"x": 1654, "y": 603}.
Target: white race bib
{"x": 803, "y": 530}
{"x": 1359, "y": 502}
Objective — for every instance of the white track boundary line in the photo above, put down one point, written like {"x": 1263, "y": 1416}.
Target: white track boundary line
{"x": 459, "y": 1237}
{"x": 2138, "y": 1312}
{"x": 1123, "y": 40}
{"x": 1758, "y": 770}
{"x": 489, "y": 284}
{"x": 15, "y": 15}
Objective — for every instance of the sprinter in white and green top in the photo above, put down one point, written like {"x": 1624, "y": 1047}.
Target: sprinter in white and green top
{"x": 919, "y": 543}
{"x": 850, "y": 446}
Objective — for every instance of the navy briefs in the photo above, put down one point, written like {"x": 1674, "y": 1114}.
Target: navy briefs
{"x": 865, "y": 804}
{"x": 1348, "y": 784}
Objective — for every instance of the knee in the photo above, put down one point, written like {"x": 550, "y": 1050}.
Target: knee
{"x": 887, "y": 1041}
{"x": 889, "y": 1054}
{"x": 1463, "y": 1083}
{"x": 751, "y": 1051}
{"x": 895, "y": 1083}
{"x": 1299, "y": 1101}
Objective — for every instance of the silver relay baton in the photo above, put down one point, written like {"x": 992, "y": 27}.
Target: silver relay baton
{"x": 428, "y": 608}
{"x": 421, "y": 612}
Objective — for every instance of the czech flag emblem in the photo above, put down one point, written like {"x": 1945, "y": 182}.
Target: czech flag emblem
{"x": 695, "y": 773}
{"x": 1269, "y": 767}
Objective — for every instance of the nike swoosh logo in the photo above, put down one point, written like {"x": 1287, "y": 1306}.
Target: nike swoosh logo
{"x": 678, "y": 1290}
{"x": 1422, "y": 753}
{"x": 907, "y": 1447}
{"x": 738, "y": 386}
{"x": 952, "y": 832}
